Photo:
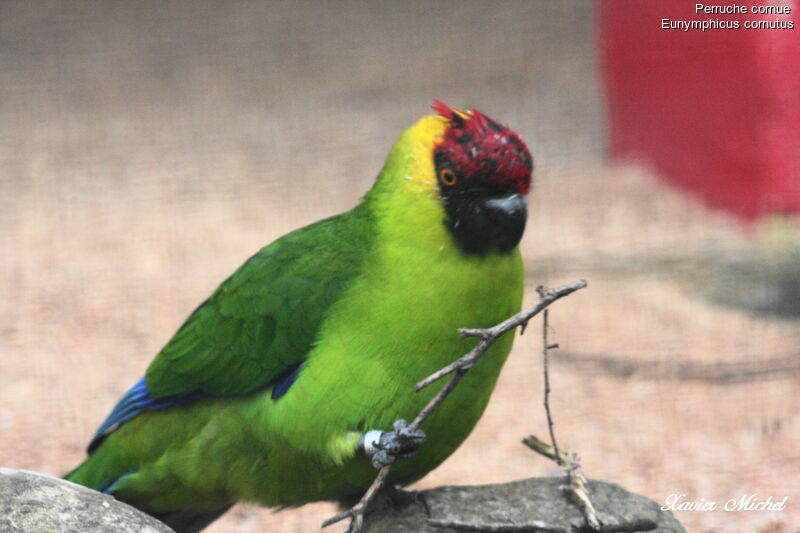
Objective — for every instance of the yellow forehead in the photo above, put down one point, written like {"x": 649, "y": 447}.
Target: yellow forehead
{"x": 418, "y": 143}
{"x": 428, "y": 130}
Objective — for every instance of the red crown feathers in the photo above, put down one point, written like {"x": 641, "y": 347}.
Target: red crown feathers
{"x": 475, "y": 143}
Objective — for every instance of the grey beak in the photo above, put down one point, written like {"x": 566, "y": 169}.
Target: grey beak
{"x": 513, "y": 205}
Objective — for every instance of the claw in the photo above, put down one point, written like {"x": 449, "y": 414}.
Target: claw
{"x": 386, "y": 447}
{"x": 382, "y": 458}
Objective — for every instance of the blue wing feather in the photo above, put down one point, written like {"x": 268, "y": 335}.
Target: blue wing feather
{"x": 138, "y": 400}
{"x": 285, "y": 380}
{"x": 111, "y": 487}
{"x": 135, "y": 401}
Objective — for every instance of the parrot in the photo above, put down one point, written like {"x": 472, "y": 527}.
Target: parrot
{"x": 292, "y": 382}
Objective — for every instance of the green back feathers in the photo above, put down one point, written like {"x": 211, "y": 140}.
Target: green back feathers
{"x": 264, "y": 318}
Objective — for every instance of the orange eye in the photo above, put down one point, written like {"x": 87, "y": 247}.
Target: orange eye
{"x": 448, "y": 177}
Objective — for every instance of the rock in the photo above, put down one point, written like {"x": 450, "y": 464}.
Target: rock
{"x": 529, "y": 501}
{"x": 38, "y": 503}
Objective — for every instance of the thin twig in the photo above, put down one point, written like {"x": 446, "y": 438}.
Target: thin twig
{"x": 539, "y": 446}
{"x": 357, "y": 511}
{"x": 577, "y": 480}
{"x": 545, "y": 350}
{"x": 570, "y": 462}
{"x": 458, "y": 368}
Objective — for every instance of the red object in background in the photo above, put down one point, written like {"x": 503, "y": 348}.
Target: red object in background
{"x": 717, "y": 111}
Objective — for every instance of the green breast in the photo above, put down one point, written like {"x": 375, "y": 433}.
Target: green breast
{"x": 396, "y": 324}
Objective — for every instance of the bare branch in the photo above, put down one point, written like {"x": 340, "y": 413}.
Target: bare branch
{"x": 568, "y": 461}
{"x": 357, "y": 511}
{"x": 577, "y": 480}
{"x": 545, "y": 350}
{"x": 539, "y": 446}
{"x": 489, "y": 335}
{"x": 458, "y": 368}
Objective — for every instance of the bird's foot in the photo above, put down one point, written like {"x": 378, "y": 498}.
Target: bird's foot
{"x": 386, "y": 447}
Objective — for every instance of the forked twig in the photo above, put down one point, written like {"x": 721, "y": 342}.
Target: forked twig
{"x": 458, "y": 368}
{"x": 570, "y": 462}
{"x": 577, "y": 480}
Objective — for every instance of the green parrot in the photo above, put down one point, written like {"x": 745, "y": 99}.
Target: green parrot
{"x": 291, "y": 382}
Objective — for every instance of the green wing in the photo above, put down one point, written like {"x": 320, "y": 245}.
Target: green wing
{"x": 265, "y": 317}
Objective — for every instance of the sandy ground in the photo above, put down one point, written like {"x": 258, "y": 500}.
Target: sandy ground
{"x": 146, "y": 149}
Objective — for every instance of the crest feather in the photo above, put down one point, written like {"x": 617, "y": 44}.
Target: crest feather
{"x": 475, "y": 118}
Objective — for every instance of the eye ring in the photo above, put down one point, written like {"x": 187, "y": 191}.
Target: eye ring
{"x": 448, "y": 177}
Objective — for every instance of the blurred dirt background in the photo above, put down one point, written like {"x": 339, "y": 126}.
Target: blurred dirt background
{"x": 148, "y": 148}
